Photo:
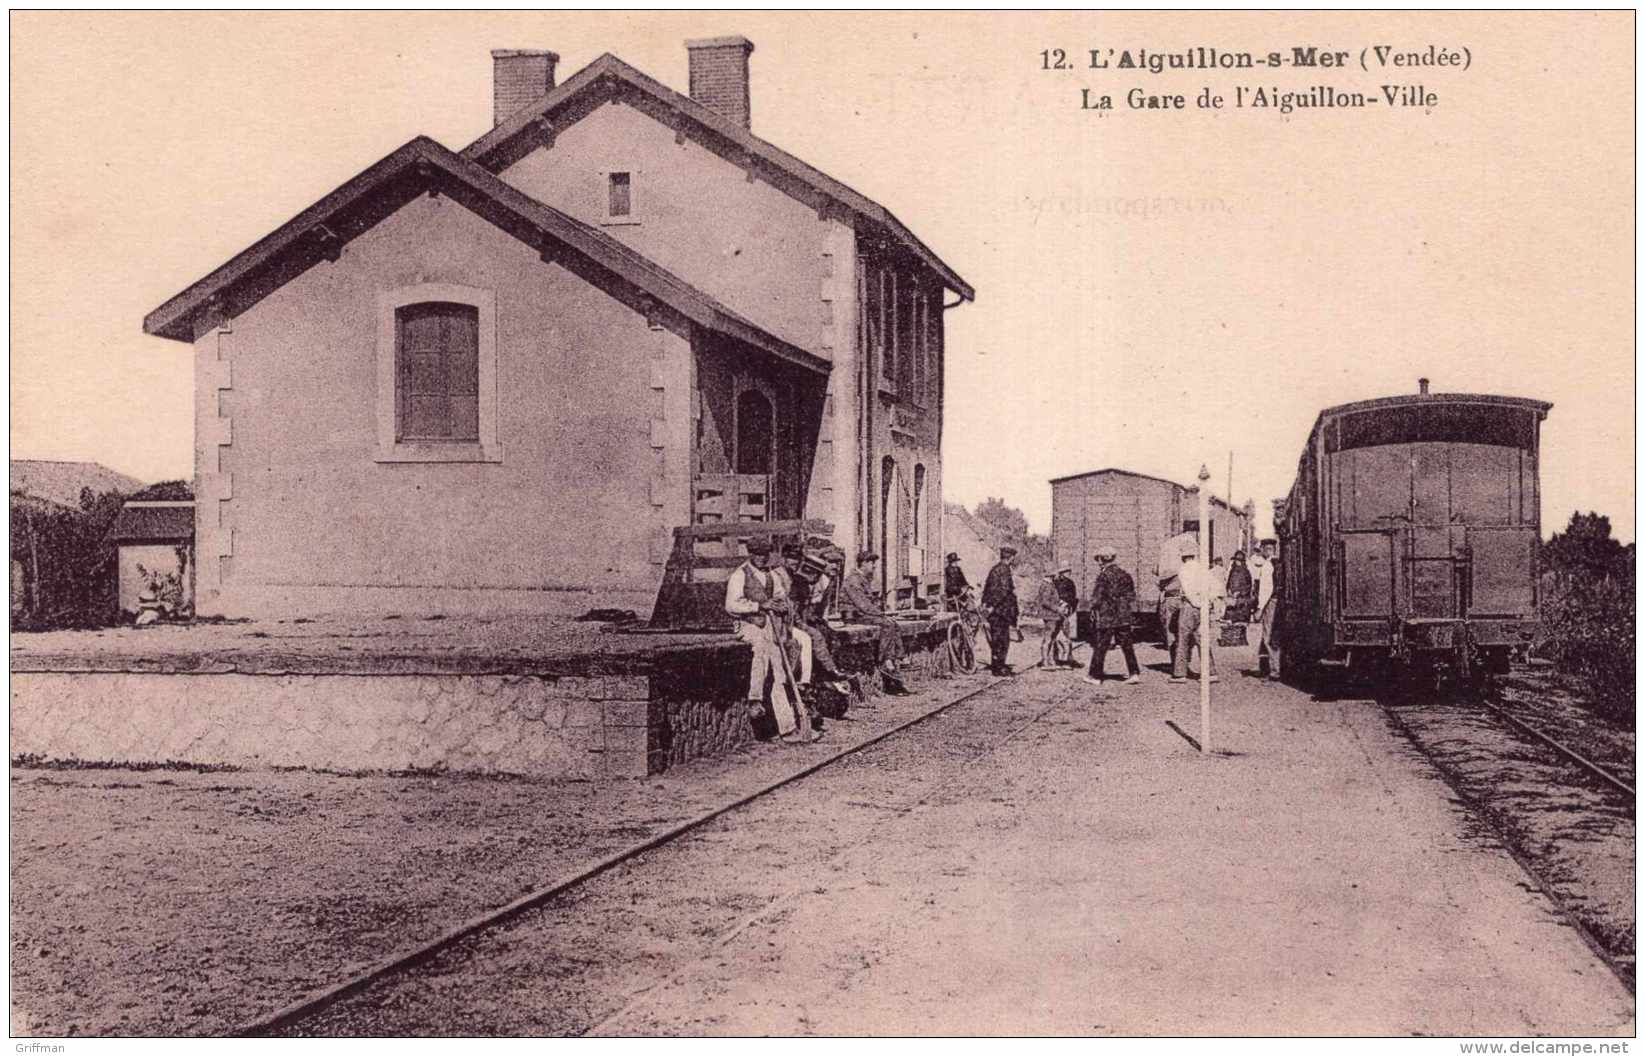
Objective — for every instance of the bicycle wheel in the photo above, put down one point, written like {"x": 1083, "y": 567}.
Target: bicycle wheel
{"x": 960, "y": 648}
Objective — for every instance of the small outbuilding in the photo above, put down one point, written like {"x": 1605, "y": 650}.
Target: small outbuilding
{"x": 155, "y": 544}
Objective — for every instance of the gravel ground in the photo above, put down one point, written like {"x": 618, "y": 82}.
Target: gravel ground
{"x": 1576, "y": 833}
{"x": 1039, "y": 860}
{"x": 176, "y": 902}
{"x": 1033, "y": 860}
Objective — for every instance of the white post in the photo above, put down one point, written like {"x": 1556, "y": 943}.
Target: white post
{"x": 1204, "y": 612}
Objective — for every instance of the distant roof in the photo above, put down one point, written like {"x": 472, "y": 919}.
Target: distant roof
{"x": 152, "y": 524}
{"x": 60, "y": 482}
{"x": 320, "y": 231}
{"x": 979, "y": 528}
{"x": 1149, "y": 477}
{"x": 503, "y": 144}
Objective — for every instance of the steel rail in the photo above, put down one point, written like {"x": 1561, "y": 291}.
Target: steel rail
{"x": 1593, "y": 768}
{"x": 330, "y": 995}
{"x": 1492, "y": 821}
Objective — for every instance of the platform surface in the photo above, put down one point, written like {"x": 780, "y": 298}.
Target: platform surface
{"x": 504, "y": 645}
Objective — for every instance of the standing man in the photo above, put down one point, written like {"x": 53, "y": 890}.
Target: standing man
{"x": 1049, "y": 608}
{"x": 752, "y": 596}
{"x": 1113, "y": 598}
{"x": 999, "y": 602}
{"x": 1268, "y": 607}
{"x": 954, "y": 583}
{"x": 857, "y": 594}
{"x": 1198, "y": 584}
{"x": 1069, "y": 592}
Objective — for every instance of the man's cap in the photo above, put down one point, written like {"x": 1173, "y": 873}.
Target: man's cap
{"x": 1108, "y": 553}
{"x": 867, "y": 556}
{"x": 1239, "y": 555}
{"x": 953, "y": 556}
{"x": 1007, "y": 552}
{"x": 1065, "y": 569}
{"x": 759, "y": 545}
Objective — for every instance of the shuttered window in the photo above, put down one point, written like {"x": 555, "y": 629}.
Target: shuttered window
{"x": 437, "y": 388}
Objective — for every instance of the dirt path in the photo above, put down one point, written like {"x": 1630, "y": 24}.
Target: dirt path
{"x": 1044, "y": 862}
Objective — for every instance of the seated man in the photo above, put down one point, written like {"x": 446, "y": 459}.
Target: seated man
{"x": 810, "y": 637}
{"x": 753, "y": 596}
{"x": 862, "y": 599}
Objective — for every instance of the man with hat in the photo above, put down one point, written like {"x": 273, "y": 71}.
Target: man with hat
{"x": 859, "y": 595}
{"x": 999, "y": 603}
{"x": 1113, "y": 599}
{"x": 1199, "y": 588}
{"x": 954, "y": 583}
{"x": 807, "y": 632}
{"x": 755, "y": 598}
{"x": 1048, "y": 607}
{"x": 1069, "y": 592}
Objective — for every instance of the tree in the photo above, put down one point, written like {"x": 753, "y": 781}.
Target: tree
{"x": 1010, "y": 527}
{"x": 1586, "y": 548}
{"x": 1009, "y": 523}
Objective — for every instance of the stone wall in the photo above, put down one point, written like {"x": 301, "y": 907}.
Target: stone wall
{"x": 668, "y": 706}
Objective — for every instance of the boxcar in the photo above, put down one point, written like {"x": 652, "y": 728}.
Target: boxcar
{"x": 1411, "y": 535}
{"x": 1135, "y": 514}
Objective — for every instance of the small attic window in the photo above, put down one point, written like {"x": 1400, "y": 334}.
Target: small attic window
{"x": 619, "y": 197}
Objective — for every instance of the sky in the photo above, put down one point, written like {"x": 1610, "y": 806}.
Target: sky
{"x": 1156, "y": 290}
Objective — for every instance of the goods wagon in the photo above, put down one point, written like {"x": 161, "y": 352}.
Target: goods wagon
{"x": 1411, "y": 536}
{"x": 1135, "y": 514}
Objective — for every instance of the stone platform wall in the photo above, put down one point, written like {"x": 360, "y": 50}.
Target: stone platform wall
{"x": 661, "y": 709}
{"x": 591, "y": 727}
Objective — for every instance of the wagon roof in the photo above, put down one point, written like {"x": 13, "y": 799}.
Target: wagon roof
{"x": 1382, "y": 403}
{"x": 1146, "y": 477}
{"x": 606, "y": 74}
{"x": 423, "y": 164}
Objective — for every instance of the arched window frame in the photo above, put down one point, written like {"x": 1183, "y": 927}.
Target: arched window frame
{"x": 389, "y": 449}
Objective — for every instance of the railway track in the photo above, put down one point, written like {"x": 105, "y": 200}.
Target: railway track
{"x": 326, "y": 997}
{"x": 1573, "y": 839}
{"x": 1565, "y": 750}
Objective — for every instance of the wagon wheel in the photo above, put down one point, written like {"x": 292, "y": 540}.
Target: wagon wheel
{"x": 961, "y": 648}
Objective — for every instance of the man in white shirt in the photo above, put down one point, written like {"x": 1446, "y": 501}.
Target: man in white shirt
{"x": 1267, "y": 606}
{"x": 1198, "y": 584}
{"x": 757, "y": 599}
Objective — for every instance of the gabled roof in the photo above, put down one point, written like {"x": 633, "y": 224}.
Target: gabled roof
{"x": 319, "y": 232}
{"x": 509, "y": 141}
{"x": 1218, "y": 500}
{"x": 60, "y": 482}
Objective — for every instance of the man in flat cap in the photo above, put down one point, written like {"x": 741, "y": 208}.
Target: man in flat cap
{"x": 861, "y": 598}
{"x": 1113, "y": 598}
{"x": 999, "y": 603}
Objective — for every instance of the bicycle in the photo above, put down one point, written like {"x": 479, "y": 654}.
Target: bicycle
{"x": 962, "y": 633}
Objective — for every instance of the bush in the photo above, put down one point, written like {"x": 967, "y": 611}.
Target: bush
{"x": 1588, "y": 619}
{"x": 69, "y": 571}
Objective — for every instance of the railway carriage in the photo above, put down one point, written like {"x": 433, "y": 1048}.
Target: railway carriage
{"x": 1411, "y": 536}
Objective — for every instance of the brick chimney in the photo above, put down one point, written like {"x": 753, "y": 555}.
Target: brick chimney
{"x": 518, "y": 79}
{"x": 719, "y": 75}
